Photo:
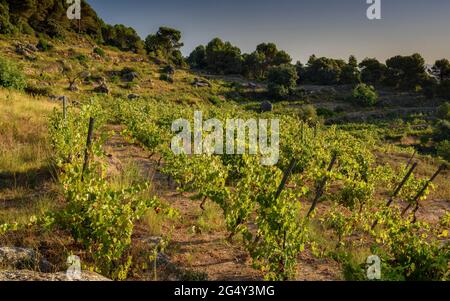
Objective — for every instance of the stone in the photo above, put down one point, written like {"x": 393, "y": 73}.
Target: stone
{"x": 23, "y": 258}
{"x": 102, "y": 88}
{"x": 129, "y": 77}
{"x": 26, "y": 275}
{"x": 31, "y": 48}
{"x": 252, "y": 85}
{"x": 200, "y": 83}
{"x": 266, "y": 106}
{"x": 20, "y": 49}
{"x": 133, "y": 96}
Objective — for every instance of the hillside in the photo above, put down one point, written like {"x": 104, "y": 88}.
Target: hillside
{"x": 131, "y": 209}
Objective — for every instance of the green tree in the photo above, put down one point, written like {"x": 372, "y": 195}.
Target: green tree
{"x": 252, "y": 65}
{"x": 282, "y": 80}
{"x": 443, "y": 90}
{"x": 197, "y": 58}
{"x": 350, "y": 73}
{"x": 324, "y": 71}
{"x": 123, "y": 37}
{"x": 10, "y": 75}
{"x": 365, "y": 95}
{"x": 444, "y": 111}
{"x": 443, "y": 149}
{"x": 266, "y": 55}
{"x": 5, "y": 25}
{"x": 406, "y": 72}
{"x": 301, "y": 72}
{"x": 372, "y": 71}
{"x": 223, "y": 57}
{"x": 165, "y": 44}
{"x": 442, "y": 69}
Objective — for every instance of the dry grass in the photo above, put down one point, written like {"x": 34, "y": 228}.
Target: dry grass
{"x": 23, "y": 132}
{"x": 26, "y": 186}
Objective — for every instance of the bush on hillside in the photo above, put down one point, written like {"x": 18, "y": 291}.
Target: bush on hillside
{"x": 166, "y": 77}
{"x": 44, "y": 45}
{"x": 282, "y": 80}
{"x": 308, "y": 113}
{"x": 443, "y": 149}
{"x": 5, "y": 25}
{"x": 444, "y": 111}
{"x": 443, "y": 90}
{"x": 11, "y": 76}
{"x": 99, "y": 51}
{"x": 365, "y": 95}
{"x": 442, "y": 131}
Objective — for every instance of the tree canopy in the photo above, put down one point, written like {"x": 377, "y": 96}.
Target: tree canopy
{"x": 165, "y": 44}
{"x": 442, "y": 69}
{"x": 282, "y": 80}
{"x": 405, "y": 71}
{"x": 266, "y": 55}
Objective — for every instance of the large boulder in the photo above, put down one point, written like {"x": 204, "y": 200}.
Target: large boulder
{"x": 266, "y": 106}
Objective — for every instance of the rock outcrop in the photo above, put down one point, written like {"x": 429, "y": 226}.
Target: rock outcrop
{"x": 22, "y": 258}
{"x": 26, "y": 275}
{"x": 22, "y": 264}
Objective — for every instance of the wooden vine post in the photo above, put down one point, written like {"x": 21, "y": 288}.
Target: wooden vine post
{"x": 320, "y": 187}
{"x": 397, "y": 190}
{"x": 64, "y": 102}
{"x": 415, "y": 200}
{"x": 286, "y": 176}
{"x": 88, "y": 146}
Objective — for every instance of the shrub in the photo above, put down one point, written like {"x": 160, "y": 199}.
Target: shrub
{"x": 443, "y": 149}
{"x": 11, "y": 76}
{"x": 44, "y": 45}
{"x": 166, "y": 78}
{"x": 81, "y": 58}
{"x": 308, "y": 114}
{"x": 365, "y": 95}
{"x": 282, "y": 80}
{"x": 5, "y": 25}
{"x": 429, "y": 88}
{"x": 327, "y": 113}
{"x": 442, "y": 131}
{"x": 169, "y": 69}
{"x": 444, "y": 111}
{"x": 127, "y": 70}
{"x": 339, "y": 109}
{"x": 99, "y": 51}
{"x": 215, "y": 100}
{"x": 443, "y": 89}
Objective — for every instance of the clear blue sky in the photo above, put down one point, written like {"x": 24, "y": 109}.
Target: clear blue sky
{"x": 334, "y": 28}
